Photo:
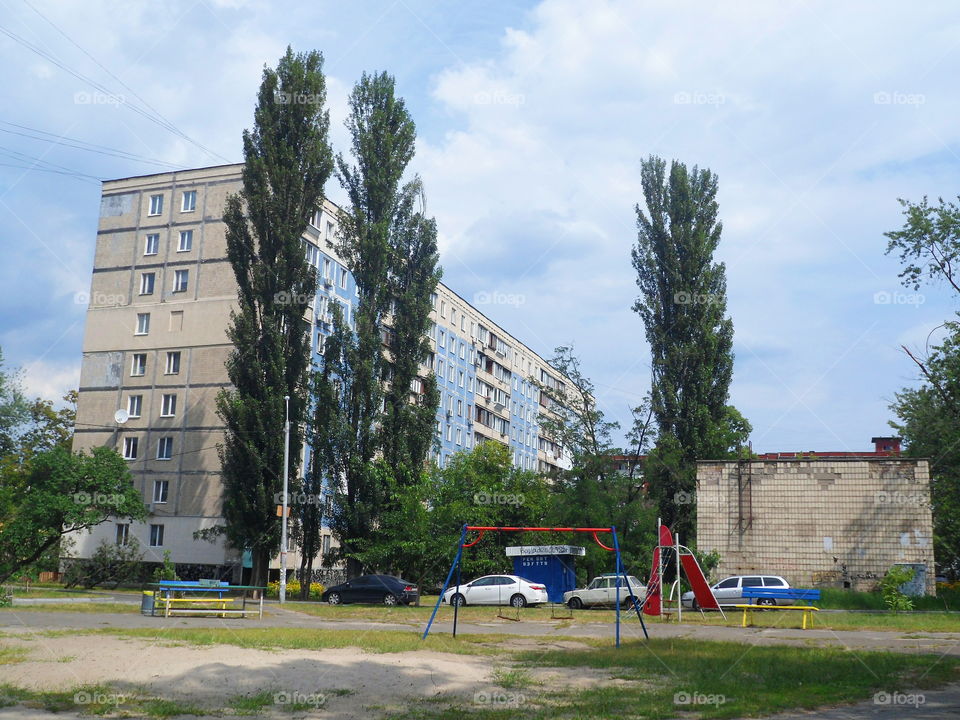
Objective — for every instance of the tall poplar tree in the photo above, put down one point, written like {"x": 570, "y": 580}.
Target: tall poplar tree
{"x": 287, "y": 161}
{"x": 683, "y": 304}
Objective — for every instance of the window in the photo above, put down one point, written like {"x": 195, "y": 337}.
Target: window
{"x": 123, "y": 533}
{"x": 326, "y": 544}
{"x": 130, "y": 445}
{"x": 443, "y": 308}
{"x": 326, "y": 270}
{"x": 143, "y": 323}
{"x": 460, "y": 408}
{"x": 442, "y": 339}
{"x": 773, "y": 582}
{"x": 156, "y": 536}
{"x": 134, "y": 405}
{"x": 186, "y": 241}
{"x": 161, "y": 489}
{"x": 453, "y": 316}
{"x": 461, "y": 378}
{"x": 147, "y": 280}
{"x": 165, "y": 448}
{"x": 180, "y": 279}
{"x": 449, "y": 432}
{"x": 343, "y": 277}
{"x": 329, "y": 235}
{"x": 728, "y": 583}
{"x": 189, "y": 201}
{"x": 470, "y": 383}
{"x": 152, "y": 244}
{"x": 459, "y": 436}
{"x": 169, "y": 406}
{"x": 156, "y": 204}
{"x": 751, "y": 582}
{"x": 173, "y": 363}
{"x": 138, "y": 364}
{"x": 450, "y": 370}
{"x": 463, "y": 352}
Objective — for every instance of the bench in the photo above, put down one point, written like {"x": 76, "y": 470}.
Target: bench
{"x": 204, "y": 597}
{"x": 797, "y": 595}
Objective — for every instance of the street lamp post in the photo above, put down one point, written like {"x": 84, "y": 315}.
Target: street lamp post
{"x": 283, "y": 517}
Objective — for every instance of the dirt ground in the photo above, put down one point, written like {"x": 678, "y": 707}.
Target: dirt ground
{"x": 336, "y": 683}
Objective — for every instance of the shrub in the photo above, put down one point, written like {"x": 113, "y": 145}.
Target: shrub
{"x": 896, "y": 577}
{"x": 293, "y": 590}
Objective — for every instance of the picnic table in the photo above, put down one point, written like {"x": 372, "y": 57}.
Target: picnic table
{"x": 200, "y": 597}
{"x": 771, "y": 595}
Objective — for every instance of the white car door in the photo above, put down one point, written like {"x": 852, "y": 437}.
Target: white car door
{"x": 507, "y": 587}
{"x": 479, "y": 591}
{"x": 594, "y": 593}
{"x": 727, "y": 591}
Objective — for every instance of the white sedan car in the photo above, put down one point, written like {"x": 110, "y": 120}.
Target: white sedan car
{"x": 603, "y": 591}
{"x": 497, "y": 590}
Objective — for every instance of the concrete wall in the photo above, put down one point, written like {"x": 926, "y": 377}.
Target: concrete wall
{"x": 825, "y": 522}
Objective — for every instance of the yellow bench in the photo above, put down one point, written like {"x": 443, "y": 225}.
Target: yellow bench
{"x": 807, "y": 610}
{"x": 168, "y": 604}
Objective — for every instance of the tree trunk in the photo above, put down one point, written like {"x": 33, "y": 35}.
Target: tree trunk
{"x": 261, "y": 563}
{"x": 354, "y": 568}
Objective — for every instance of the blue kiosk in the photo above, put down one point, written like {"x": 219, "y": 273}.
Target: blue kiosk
{"x": 551, "y": 565}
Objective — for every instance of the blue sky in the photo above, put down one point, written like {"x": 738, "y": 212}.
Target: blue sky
{"x": 532, "y": 119}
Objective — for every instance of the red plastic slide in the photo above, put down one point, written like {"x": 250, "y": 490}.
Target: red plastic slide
{"x": 701, "y": 589}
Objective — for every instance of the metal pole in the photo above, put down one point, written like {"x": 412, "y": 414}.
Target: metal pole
{"x": 446, "y": 584}
{"x": 676, "y": 540}
{"x": 456, "y": 605}
{"x": 616, "y": 546}
{"x": 283, "y": 519}
{"x": 637, "y": 605}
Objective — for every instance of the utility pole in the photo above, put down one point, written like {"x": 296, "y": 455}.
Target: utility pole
{"x": 283, "y": 520}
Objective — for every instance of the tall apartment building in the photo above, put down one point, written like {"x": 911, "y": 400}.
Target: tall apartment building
{"x": 155, "y": 346}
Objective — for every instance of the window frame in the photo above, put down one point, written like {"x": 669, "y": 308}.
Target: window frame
{"x": 188, "y": 234}
{"x": 134, "y": 366}
{"x": 192, "y": 194}
{"x": 155, "y": 201}
{"x": 168, "y": 405}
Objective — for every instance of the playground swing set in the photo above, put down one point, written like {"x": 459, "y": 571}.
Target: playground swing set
{"x": 652, "y": 603}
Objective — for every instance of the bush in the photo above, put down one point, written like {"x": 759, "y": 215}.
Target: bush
{"x": 110, "y": 564}
{"x": 893, "y": 596}
{"x": 6, "y": 597}
{"x": 293, "y": 590}
{"x": 167, "y": 571}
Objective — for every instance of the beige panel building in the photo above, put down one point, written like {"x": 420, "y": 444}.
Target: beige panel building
{"x": 155, "y": 343}
{"x": 820, "y": 520}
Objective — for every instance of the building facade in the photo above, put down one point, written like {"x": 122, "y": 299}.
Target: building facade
{"x": 818, "y": 519}
{"x": 155, "y": 345}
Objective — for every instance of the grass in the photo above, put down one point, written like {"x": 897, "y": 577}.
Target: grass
{"x": 906, "y": 622}
{"x": 24, "y": 592}
{"x": 512, "y": 678}
{"x": 946, "y": 599}
{"x": 82, "y": 607}
{"x": 11, "y": 655}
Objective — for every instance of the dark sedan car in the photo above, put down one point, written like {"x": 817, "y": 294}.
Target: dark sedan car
{"x": 385, "y": 589}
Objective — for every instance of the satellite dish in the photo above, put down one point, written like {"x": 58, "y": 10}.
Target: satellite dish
{"x": 121, "y": 416}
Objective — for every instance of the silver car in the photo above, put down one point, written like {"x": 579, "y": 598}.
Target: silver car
{"x": 603, "y": 591}
{"x": 729, "y": 591}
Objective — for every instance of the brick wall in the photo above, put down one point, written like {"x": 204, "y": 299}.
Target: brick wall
{"x": 826, "y": 522}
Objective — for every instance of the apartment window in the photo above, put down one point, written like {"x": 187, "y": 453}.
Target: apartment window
{"x": 156, "y": 204}
{"x": 326, "y": 269}
{"x": 156, "y": 536}
{"x": 134, "y": 405}
{"x": 450, "y": 372}
{"x": 189, "y": 203}
{"x": 180, "y": 279}
{"x": 168, "y": 406}
{"x": 461, "y": 378}
{"x": 329, "y": 235}
{"x": 440, "y": 368}
{"x": 143, "y": 323}
{"x": 123, "y": 533}
{"x": 470, "y": 383}
{"x": 460, "y": 408}
{"x": 151, "y": 245}
{"x": 463, "y": 351}
{"x": 453, "y": 316}
{"x": 343, "y": 277}
{"x": 138, "y": 364}
{"x": 165, "y": 448}
{"x": 326, "y": 544}
{"x": 459, "y": 436}
{"x": 442, "y": 339}
{"x": 449, "y": 432}
{"x": 433, "y": 299}
{"x": 147, "y": 281}
{"x": 130, "y": 447}
{"x": 173, "y": 363}
{"x": 463, "y": 322}
{"x": 186, "y": 241}
{"x": 161, "y": 489}
{"x": 321, "y": 343}
{"x": 443, "y": 308}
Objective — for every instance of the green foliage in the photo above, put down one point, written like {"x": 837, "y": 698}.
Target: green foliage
{"x": 287, "y": 160}
{"x": 14, "y": 410}
{"x": 928, "y": 243}
{"x": 683, "y": 304}
{"x": 891, "y": 588}
{"x": 167, "y": 570}
{"x": 110, "y": 564}
{"x": 59, "y": 492}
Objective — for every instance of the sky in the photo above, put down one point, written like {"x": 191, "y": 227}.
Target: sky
{"x": 533, "y": 118}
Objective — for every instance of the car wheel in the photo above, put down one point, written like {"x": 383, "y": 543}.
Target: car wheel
{"x": 390, "y": 599}
{"x": 518, "y": 601}
{"x": 334, "y": 598}
{"x": 766, "y": 601}
{"x": 458, "y": 600}
{"x": 628, "y": 602}
{"x": 695, "y": 605}
{"x": 574, "y": 603}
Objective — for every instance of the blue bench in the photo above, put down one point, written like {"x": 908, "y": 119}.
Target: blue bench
{"x": 796, "y": 595}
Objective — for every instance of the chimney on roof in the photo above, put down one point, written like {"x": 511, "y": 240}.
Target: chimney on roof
{"x": 886, "y": 444}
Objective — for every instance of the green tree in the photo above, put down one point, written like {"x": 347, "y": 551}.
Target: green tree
{"x": 683, "y": 304}
{"x": 60, "y": 492}
{"x": 14, "y": 410}
{"x": 287, "y": 161}
{"x": 592, "y": 492}
{"x": 391, "y": 252}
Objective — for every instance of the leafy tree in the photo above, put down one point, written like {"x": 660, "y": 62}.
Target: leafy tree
{"x": 48, "y": 427}
{"x": 60, "y": 492}
{"x": 14, "y": 410}
{"x": 391, "y": 252}
{"x": 113, "y": 564}
{"x": 592, "y": 493}
{"x": 683, "y": 303}
{"x": 287, "y": 160}
{"x": 928, "y": 245}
